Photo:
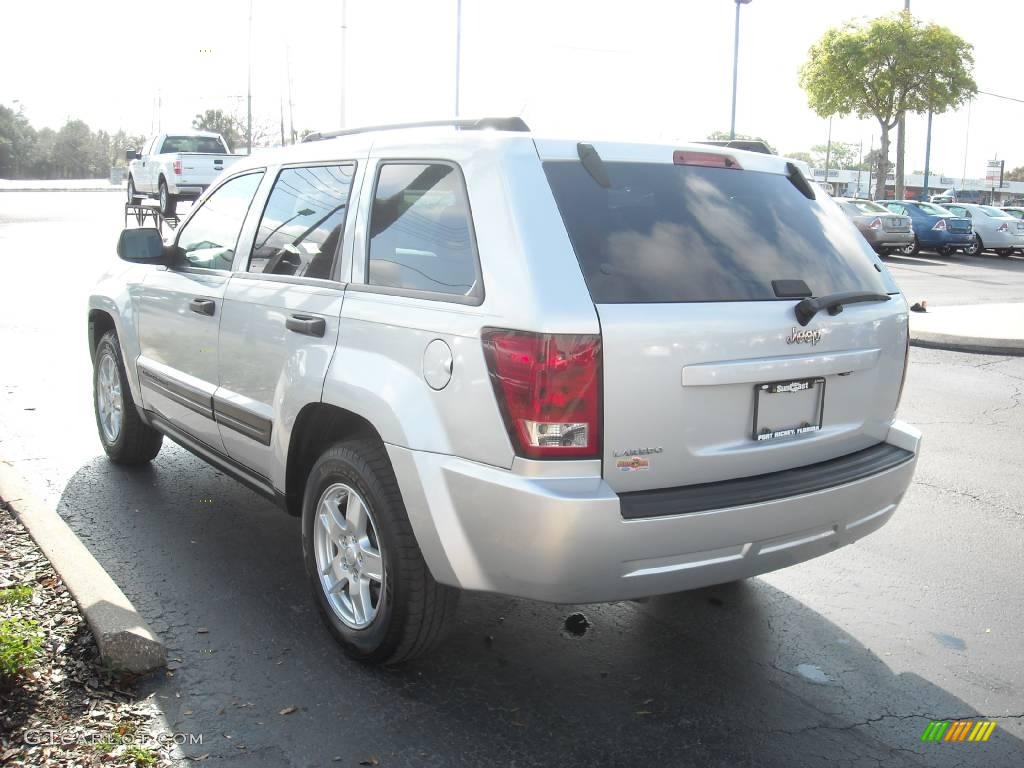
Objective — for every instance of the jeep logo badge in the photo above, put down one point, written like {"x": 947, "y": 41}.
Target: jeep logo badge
{"x": 804, "y": 336}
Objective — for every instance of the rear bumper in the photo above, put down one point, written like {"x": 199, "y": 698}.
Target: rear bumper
{"x": 881, "y": 239}
{"x": 946, "y": 239}
{"x": 565, "y": 539}
{"x": 190, "y": 191}
{"x": 1003, "y": 240}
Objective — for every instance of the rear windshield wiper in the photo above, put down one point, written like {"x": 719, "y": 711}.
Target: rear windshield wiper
{"x": 808, "y": 308}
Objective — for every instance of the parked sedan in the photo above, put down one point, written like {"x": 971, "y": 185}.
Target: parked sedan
{"x": 994, "y": 229}
{"x": 935, "y": 228}
{"x": 882, "y": 230}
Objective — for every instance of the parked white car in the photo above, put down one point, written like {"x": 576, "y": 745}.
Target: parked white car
{"x": 176, "y": 166}
{"x": 474, "y": 358}
{"x": 994, "y": 229}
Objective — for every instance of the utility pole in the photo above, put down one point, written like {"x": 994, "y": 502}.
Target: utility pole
{"x": 901, "y": 137}
{"x": 291, "y": 110}
{"x": 860, "y": 163}
{"x": 458, "y": 51}
{"x": 280, "y": 104}
{"x": 870, "y": 169}
{"x": 735, "y": 67}
{"x": 248, "y": 97}
{"x": 828, "y": 151}
{"x": 927, "y": 157}
{"x": 344, "y": 53}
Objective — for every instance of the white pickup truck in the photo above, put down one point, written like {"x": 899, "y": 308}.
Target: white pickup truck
{"x": 176, "y": 166}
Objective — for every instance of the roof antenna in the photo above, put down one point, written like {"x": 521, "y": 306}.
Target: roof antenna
{"x": 594, "y": 164}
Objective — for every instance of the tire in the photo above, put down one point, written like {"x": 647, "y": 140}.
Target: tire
{"x": 126, "y": 439}
{"x": 911, "y": 249}
{"x": 411, "y": 611}
{"x": 944, "y": 251}
{"x": 133, "y": 197}
{"x": 1005, "y": 252}
{"x": 168, "y": 202}
{"x": 975, "y": 248}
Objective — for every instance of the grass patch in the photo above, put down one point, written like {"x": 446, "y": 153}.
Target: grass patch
{"x": 17, "y": 595}
{"x": 139, "y": 756}
{"x": 20, "y": 644}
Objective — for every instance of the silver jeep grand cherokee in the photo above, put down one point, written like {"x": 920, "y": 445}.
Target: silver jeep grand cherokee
{"x": 473, "y": 358}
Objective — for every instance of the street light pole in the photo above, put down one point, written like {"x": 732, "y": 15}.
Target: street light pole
{"x": 248, "y": 97}
{"x": 458, "y": 51}
{"x": 344, "y": 52}
{"x": 735, "y": 67}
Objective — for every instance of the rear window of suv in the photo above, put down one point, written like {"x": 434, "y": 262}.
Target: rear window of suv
{"x": 670, "y": 233}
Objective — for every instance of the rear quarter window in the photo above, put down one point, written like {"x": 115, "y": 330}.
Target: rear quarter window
{"x": 665, "y": 233}
{"x": 421, "y": 235}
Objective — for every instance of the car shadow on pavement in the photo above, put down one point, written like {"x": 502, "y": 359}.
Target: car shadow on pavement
{"x": 734, "y": 675}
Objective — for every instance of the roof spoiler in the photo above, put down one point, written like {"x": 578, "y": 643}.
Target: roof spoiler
{"x": 516, "y": 124}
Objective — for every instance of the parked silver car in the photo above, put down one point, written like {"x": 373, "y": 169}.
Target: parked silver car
{"x": 881, "y": 228}
{"x": 994, "y": 229}
{"x": 488, "y": 360}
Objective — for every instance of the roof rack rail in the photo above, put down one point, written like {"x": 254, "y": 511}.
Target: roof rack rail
{"x": 484, "y": 123}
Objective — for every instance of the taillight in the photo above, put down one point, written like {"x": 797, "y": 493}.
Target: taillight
{"x": 548, "y": 388}
{"x": 1003, "y": 228}
{"x": 940, "y": 225}
{"x": 876, "y": 224}
{"x": 177, "y": 167}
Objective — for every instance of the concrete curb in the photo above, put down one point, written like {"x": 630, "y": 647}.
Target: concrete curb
{"x": 976, "y": 344}
{"x": 125, "y": 640}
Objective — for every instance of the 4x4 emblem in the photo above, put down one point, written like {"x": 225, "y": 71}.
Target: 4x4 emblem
{"x": 804, "y": 336}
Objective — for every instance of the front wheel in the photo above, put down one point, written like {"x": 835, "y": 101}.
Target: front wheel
{"x": 975, "y": 248}
{"x": 366, "y": 570}
{"x": 125, "y": 437}
{"x": 1005, "y": 252}
{"x": 945, "y": 251}
{"x": 168, "y": 202}
{"x": 910, "y": 249}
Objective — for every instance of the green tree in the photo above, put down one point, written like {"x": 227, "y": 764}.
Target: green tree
{"x": 884, "y": 66}
{"x": 17, "y": 138}
{"x": 842, "y": 156}
{"x": 724, "y": 136}
{"x": 227, "y": 125}
{"x": 802, "y": 156}
{"x": 73, "y": 151}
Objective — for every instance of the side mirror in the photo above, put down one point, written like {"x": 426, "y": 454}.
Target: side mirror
{"x": 132, "y": 154}
{"x": 142, "y": 246}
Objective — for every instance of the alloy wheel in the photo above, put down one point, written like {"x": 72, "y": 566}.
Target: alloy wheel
{"x": 109, "y": 403}
{"x": 348, "y": 556}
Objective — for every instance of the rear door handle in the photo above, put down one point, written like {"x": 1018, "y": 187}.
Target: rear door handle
{"x": 203, "y": 306}
{"x": 307, "y": 324}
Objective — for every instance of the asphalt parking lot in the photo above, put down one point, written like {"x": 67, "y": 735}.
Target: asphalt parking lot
{"x": 841, "y": 661}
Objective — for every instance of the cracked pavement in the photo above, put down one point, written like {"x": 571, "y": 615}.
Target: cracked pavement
{"x": 838, "y": 662}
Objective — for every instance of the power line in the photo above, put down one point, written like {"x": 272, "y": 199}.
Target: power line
{"x": 1000, "y": 96}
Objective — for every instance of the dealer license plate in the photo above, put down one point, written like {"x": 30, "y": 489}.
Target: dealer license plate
{"x": 787, "y": 409}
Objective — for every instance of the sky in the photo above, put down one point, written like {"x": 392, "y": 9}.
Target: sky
{"x": 640, "y": 69}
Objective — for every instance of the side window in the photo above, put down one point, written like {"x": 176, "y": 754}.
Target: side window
{"x": 421, "y": 237}
{"x": 209, "y": 238}
{"x": 303, "y": 222}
